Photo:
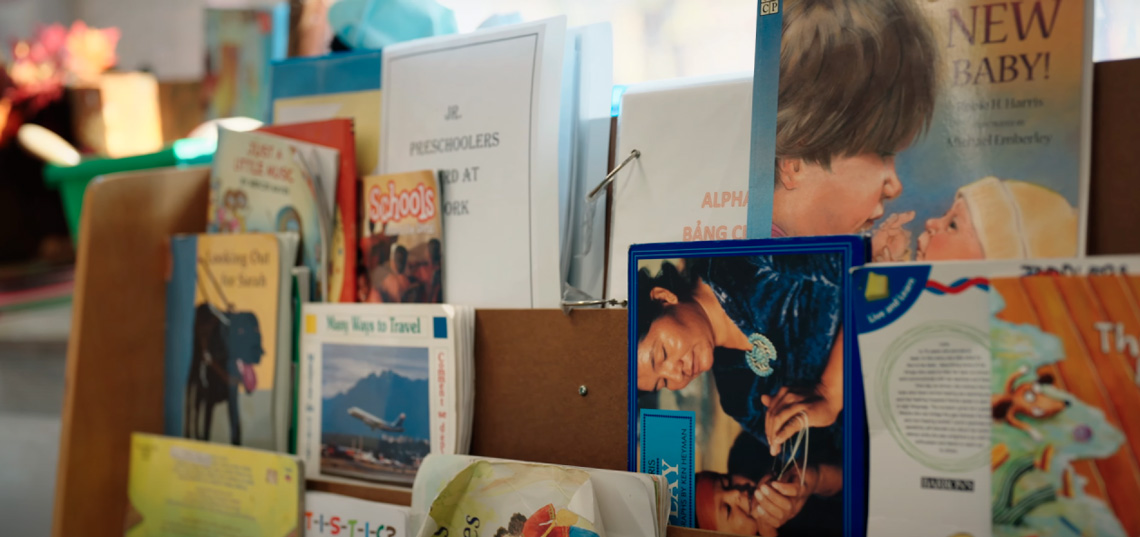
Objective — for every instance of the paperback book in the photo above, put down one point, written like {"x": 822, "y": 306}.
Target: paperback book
{"x": 382, "y": 386}
{"x": 342, "y": 206}
{"x": 267, "y": 183}
{"x": 335, "y": 514}
{"x": 458, "y": 492}
{"x": 938, "y": 441}
{"x": 197, "y": 489}
{"x": 401, "y": 239}
{"x": 956, "y": 129}
{"x": 229, "y": 338}
{"x": 745, "y": 387}
{"x": 240, "y": 44}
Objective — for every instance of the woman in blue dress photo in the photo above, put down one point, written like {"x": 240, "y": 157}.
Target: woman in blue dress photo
{"x": 769, "y": 330}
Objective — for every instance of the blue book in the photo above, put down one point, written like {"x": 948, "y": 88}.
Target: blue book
{"x": 240, "y": 44}
{"x": 745, "y": 385}
{"x": 229, "y": 338}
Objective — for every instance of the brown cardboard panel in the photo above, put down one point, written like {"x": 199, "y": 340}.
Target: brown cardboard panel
{"x": 1115, "y": 189}
{"x": 529, "y": 367}
{"x": 370, "y": 492}
{"x": 114, "y": 376}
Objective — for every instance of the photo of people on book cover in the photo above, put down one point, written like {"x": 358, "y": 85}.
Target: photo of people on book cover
{"x": 1065, "y": 393}
{"x": 401, "y": 240}
{"x": 753, "y": 346}
{"x": 944, "y": 129}
{"x": 374, "y": 411}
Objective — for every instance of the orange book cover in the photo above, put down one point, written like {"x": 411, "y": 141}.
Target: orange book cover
{"x": 1065, "y": 395}
{"x": 337, "y": 134}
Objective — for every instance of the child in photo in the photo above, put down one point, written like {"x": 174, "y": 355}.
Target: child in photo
{"x": 989, "y": 219}
{"x": 857, "y": 86}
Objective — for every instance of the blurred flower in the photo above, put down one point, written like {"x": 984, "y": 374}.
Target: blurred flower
{"x": 40, "y": 67}
{"x": 90, "y": 52}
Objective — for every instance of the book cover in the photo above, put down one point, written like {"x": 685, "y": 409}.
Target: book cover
{"x": 754, "y": 339}
{"x": 267, "y": 183}
{"x": 494, "y": 141}
{"x": 930, "y": 435}
{"x": 401, "y": 239}
{"x": 1064, "y": 394}
{"x": 516, "y": 499}
{"x": 334, "y": 514}
{"x": 197, "y": 489}
{"x": 240, "y": 44}
{"x": 950, "y": 129}
{"x": 339, "y": 85}
{"x": 337, "y": 134}
{"x": 228, "y": 339}
{"x": 378, "y": 389}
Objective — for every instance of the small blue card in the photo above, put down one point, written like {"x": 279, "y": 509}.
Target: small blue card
{"x": 667, "y": 450}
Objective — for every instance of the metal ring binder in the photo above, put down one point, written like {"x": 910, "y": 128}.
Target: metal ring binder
{"x": 568, "y": 305}
{"x": 610, "y": 176}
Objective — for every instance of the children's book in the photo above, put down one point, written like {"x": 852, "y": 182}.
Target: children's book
{"x": 382, "y": 386}
{"x": 1065, "y": 394}
{"x": 229, "y": 338}
{"x": 925, "y": 338}
{"x": 745, "y": 390}
{"x": 494, "y": 141}
{"x": 240, "y": 43}
{"x": 267, "y": 183}
{"x": 198, "y": 489}
{"x": 401, "y": 239}
{"x": 335, "y": 514}
{"x": 956, "y": 129}
{"x": 690, "y": 180}
{"x": 629, "y": 504}
{"x": 337, "y": 134}
{"x": 339, "y": 85}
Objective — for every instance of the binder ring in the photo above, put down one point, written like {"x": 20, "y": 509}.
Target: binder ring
{"x": 610, "y": 176}
{"x": 572, "y": 304}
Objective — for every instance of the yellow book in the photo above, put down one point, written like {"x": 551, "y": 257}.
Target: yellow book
{"x": 189, "y": 488}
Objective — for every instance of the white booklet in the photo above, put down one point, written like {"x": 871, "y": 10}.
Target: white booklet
{"x": 381, "y": 387}
{"x": 483, "y": 110}
{"x": 335, "y": 514}
{"x": 691, "y": 181}
{"x": 924, "y": 333}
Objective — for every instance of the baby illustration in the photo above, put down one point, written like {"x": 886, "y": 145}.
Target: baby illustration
{"x": 990, "y": 219}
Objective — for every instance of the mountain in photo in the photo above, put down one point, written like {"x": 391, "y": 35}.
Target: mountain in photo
{"x": 385, "y": 396}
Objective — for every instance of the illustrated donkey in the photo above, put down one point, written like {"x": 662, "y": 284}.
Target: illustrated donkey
{"x": 226, "y": 346}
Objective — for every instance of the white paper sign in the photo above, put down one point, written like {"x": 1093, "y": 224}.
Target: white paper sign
{"x": 482, "y": 110}
{"x": 691, "y": 181}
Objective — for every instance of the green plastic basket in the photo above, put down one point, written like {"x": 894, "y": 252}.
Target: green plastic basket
{"x": 72, "y": 181}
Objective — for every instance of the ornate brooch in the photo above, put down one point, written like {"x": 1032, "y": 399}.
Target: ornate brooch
{"x": 761, "y": 356}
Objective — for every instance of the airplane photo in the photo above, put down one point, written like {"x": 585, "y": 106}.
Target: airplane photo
{"x": 375, "y": 423}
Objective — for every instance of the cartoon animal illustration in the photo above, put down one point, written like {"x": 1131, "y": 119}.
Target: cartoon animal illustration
{"x": 1026, "y": 400}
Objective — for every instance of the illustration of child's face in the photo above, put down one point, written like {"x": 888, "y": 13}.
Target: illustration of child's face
{"x": 952, "y": 236}
{"x": 845, "y": 198}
